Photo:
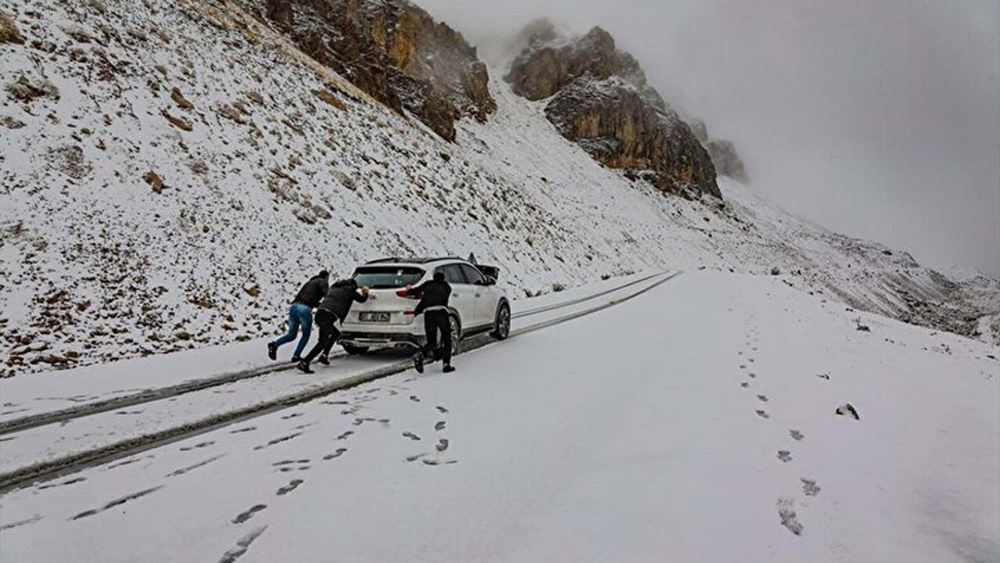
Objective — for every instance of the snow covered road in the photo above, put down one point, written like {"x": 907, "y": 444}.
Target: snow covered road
{"x": 694, "y": 423}
{"x": 132, "y": 425}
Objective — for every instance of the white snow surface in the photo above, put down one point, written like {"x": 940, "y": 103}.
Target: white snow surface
{"x": 273, "y": 183}
{"x": 33, "y": 396}
{"x": 625, "y": 435}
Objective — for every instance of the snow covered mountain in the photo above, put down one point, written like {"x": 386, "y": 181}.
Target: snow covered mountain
{"x": 172, "y": 171}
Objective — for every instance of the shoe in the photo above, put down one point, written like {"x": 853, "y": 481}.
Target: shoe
{"x": 448, "y": 369}
{"x": 296, "y": 359}
{"x": 324, "y": 360}
{"x": 304, "y": 367}
{"x": 418, "y": 363}
{"x": 272, "y": 351}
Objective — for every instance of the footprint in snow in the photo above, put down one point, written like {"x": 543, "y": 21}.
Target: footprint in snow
{"x": 785, "y": 455}
{"x": 415, "y": 398}
{"x": 762, "y": 398}
{"x": 763, "y": 414}
{"x": 810, "y": 488}
{"x": 413, "y": 458}
{"x": 442, "y": 445}
{"x": 346, "y": 435}
{"x": 291, "y": 486}
{"x": 439, "y": 426}
{"x": 441, "y": 410}
{"x": 244, "y": 516}
{"x": 744, "y": 385}
{"x": 335, "y": 455}
{"x": 798, "y": 436}
{"x": 197, "y": 446}
{"x": 439, "y": 462}
{"x": 786, "y": 511}
{"x": 411, "y": 436}
{"x": 752, "y": 374}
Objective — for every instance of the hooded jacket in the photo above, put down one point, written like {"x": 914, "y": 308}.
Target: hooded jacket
{"x": 434, "y": 295}
{"x": 340, "y": 297}
{"x": 312, "y": 292}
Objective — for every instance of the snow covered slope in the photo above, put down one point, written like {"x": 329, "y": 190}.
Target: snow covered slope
{"x": 707, "y": 433}
{"x": 171, "y": 171}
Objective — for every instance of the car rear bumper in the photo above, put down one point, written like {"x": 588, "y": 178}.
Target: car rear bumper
{"x": 382, "y": 339}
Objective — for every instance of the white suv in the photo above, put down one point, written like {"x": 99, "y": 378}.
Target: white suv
{"x": 477, "y": 305}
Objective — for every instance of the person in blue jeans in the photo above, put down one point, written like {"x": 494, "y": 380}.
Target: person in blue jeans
{"x": 300, "y": 315}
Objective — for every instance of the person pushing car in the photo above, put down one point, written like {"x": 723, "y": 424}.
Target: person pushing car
{"x": 331, "y": 312}
{"x": 300, "y": 315}
{"x": 434, "y": 296}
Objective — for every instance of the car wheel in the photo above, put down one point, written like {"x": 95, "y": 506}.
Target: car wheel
{"x": 355, "y": 350}
{"x": 501, "y": 329}
{"x": 456, "y": 333}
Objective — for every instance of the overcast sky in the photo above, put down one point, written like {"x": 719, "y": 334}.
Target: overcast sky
{"x": 875, "y": 118}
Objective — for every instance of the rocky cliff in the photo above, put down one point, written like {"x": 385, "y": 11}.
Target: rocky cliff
{"x": 599, "y": 97}
{"x": 723, "y": 152}
{"x": 394, "y": 51}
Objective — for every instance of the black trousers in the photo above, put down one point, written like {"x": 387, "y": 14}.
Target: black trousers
{"x": 328, "y": 335}
{"x": 434, "y": 322}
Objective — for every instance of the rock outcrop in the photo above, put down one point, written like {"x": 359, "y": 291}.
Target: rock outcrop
{"x": 723, "y": 152}
{"x": 8, "y": 30}
{"x": 599, "y": 97}
{"x": 394, "y": 51}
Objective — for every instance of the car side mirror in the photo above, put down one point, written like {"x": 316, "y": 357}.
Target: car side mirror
{"x": 490, "y": 281}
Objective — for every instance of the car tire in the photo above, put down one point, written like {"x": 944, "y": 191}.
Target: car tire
{"x": 456, "y": 333}
{"x": 355, "y": 350}
{"x": 501, "y": 326}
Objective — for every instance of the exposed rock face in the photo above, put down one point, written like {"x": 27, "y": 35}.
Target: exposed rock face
{"x": 394, "y": 51}
{"x": 600, "y": 98}
{"x": 8, "y": 30}
{"x": 723, "y": 152}
{"x": 727, "y": 162}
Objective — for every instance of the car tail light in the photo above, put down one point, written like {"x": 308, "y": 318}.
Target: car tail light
{"x": 411, "y": 312}
{"x": 404, "y": 293}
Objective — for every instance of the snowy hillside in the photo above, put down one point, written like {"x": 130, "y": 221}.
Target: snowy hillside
{"x": 172, "y": 171}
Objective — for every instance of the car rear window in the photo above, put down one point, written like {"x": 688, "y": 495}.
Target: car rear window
{"x": 387, "y": 277}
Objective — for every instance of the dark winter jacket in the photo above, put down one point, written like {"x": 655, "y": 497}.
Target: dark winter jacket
{"x": 340, "y": 297}
{"x": 434, "y": 295}
{"x": 312, "y": 292}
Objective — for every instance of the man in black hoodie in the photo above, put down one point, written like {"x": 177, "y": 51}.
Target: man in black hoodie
{"x": 434, "y": 296}
{"x": 332, "y": 310}
{"x": 301, "y": 314}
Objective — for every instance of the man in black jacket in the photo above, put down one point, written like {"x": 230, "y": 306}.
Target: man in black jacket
{"x": 300, "y": 314}
{"x": 333, "y": 310}
{"x": 434, "y": 296}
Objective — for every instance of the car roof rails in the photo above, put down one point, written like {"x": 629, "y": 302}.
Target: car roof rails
{"x": 401, "y": 260}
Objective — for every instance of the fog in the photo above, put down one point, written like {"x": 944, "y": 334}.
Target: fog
{"x": 875, "y": 118}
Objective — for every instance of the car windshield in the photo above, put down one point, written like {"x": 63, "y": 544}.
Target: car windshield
{"x": 387, "y": 277}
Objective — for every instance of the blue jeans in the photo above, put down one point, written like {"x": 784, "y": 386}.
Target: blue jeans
{"x": 298, "y": 315}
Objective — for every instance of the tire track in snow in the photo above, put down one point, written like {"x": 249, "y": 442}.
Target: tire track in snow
{"x": 48, "y": 470}
{"x": 162, "y": 393}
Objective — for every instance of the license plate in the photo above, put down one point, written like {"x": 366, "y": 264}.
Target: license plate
{"x": 375, "y": 317}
